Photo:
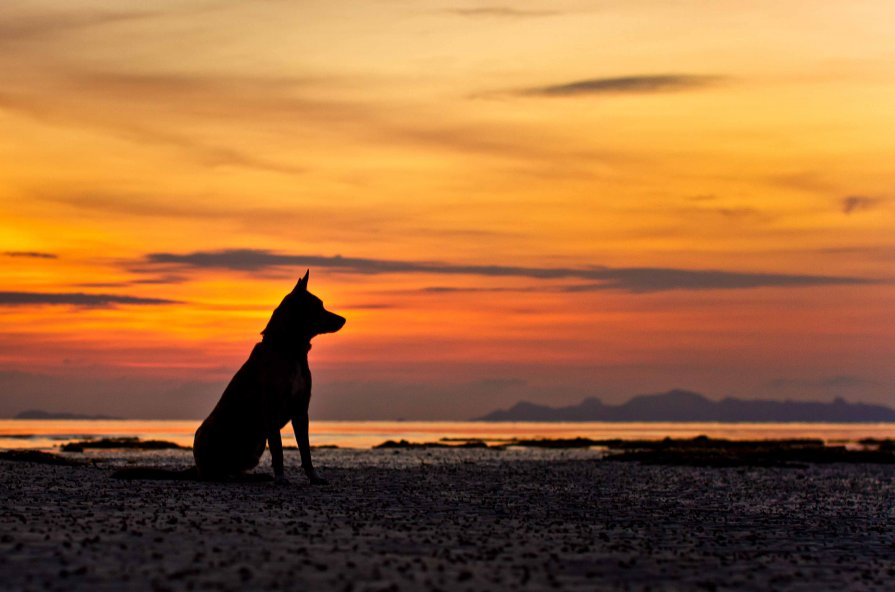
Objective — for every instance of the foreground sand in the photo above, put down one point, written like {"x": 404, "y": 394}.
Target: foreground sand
{"x": 450, "y": 520}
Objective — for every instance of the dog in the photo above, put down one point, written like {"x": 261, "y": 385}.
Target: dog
{"x": 271, "y": 389}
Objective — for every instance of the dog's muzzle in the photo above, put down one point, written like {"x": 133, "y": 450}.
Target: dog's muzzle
{"x": 333, "y": 323}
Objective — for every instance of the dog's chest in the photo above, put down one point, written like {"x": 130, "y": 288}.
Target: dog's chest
{"x": 299, "y": 383}
{"x": 295, "y": 394}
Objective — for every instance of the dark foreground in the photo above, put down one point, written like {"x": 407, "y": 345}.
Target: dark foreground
{"x": 451, "y": 520}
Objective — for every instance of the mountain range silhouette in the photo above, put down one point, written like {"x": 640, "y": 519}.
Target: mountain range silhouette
{"x": 682, "y": 405}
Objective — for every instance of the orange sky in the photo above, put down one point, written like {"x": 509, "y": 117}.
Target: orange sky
{"x": 536, "y": 200}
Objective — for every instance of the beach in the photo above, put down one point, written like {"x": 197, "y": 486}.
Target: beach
{"x": 448, "y": 519}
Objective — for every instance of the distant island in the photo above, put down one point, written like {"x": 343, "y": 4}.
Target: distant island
{"x": 681, "y": 405}
{"x": 40, "y": 414}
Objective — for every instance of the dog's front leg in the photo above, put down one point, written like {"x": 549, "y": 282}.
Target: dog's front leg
{"x": 300, "y": 426}
{"x": 275, "y": 442}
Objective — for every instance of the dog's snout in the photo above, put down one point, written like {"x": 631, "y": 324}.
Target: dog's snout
{"x": 333, "y": 322}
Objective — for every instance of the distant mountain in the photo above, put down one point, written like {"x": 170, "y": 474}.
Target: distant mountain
{"x": 40, "y": 414}
{"x": 680, "y": 405}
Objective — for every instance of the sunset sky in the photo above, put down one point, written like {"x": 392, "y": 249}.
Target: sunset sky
{"x": 529, "y": 200}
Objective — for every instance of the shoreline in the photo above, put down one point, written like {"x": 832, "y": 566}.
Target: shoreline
{"x": 700, "y": 451}
{"x": 47, "y": 434}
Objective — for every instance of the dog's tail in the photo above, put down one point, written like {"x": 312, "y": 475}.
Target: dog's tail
{"x": 157, "y": 473}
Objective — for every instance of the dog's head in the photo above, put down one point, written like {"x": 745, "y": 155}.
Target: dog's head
{"x": 301, "y": 316}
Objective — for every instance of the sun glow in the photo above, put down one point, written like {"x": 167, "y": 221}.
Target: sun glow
{"x": 521, "y": 197}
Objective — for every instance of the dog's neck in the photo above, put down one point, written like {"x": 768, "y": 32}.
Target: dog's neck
{"x": 287, "y": 346}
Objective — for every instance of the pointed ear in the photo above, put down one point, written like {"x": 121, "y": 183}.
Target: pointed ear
{"x": 302, "y": 285}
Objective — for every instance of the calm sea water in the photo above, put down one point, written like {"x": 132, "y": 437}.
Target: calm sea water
{"x": 49, "y": 434}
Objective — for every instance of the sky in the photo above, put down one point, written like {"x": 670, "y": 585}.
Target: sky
{"x": 539, "y": 201}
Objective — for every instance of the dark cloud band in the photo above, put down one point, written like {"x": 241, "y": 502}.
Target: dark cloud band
{"x": 626, "y": 84}
{"x": 31, "y": 255}
{"x": 631, "y": 279}
{"x": 75, "y": 299}
{"x": 857, "y": 203}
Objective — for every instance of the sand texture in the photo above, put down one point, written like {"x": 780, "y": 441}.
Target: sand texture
{"x": 450, "y": 520}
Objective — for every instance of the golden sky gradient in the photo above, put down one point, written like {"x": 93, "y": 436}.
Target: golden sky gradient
{"x": 529, "y": 200}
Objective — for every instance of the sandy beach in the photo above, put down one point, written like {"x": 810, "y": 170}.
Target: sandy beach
{"x": 449, "y": 520}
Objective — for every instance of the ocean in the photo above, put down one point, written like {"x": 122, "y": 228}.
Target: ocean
{"x": 51, "y": 434}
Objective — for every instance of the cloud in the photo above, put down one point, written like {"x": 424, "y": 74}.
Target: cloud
{"x": 658, "y": 279}
{"x": 31, "y": 255}
{"x": 370, "y": 306}
{"x": 857, "y": 203}
{"x": 870, "y": 252}
{"x": 163, "y": 279}
{"x": 632, "y": 279}
{"x": 518, "y": 143}
{"x": 160, "y": 105}
{"x": 75, "y": 299}
{"x": 162, "y": 109}
{"x": 500, "y": 12}
{"x": 705, "y": 207}
{"x": 147, "y": 205}
{"x": 648, "y": 84}
{"x": 29, "y": 27}
{"x": 458, "y": 289}
{"x": 738, "y": 213}
{"x": 64, "y": 112}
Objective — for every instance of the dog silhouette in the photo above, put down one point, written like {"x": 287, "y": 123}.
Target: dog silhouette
{"x": 271, "y": 389}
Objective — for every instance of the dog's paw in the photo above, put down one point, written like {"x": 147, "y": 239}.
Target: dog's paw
{"x": 315, "y": 478}
{"x": 280, "y": 480}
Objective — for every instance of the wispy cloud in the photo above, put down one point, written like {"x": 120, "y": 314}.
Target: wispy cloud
{"x": 868, "y": 252}
{"x": 149, "y": 205}
{"x": 709, "y": 206}
{"x": 632, "y": 279}
{"x": 857, "y": 203}
{"x": 646, "y": 84}
{"x": 192, "y": 115}
{"x": 31, "y": 255}
{"x": 464, "y": 289}
{"x": 39, "y": 26}
{"x": 500, "y": 12}
{"x": 161, "y": 109}
{"x": 738, "y": 213}
{"x": 76, "y": 299}
{"x": 83, "y": 98}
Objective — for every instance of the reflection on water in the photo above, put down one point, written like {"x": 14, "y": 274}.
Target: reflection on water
{"x": 48, "y": 434}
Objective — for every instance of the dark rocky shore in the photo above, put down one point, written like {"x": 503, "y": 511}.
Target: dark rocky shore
{"x": 450, "y": 519}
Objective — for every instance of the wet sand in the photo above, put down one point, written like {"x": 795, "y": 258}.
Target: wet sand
{"x": 449, "y": 520}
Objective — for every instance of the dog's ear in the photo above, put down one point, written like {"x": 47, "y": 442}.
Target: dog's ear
{"x": 302, "y": 285}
